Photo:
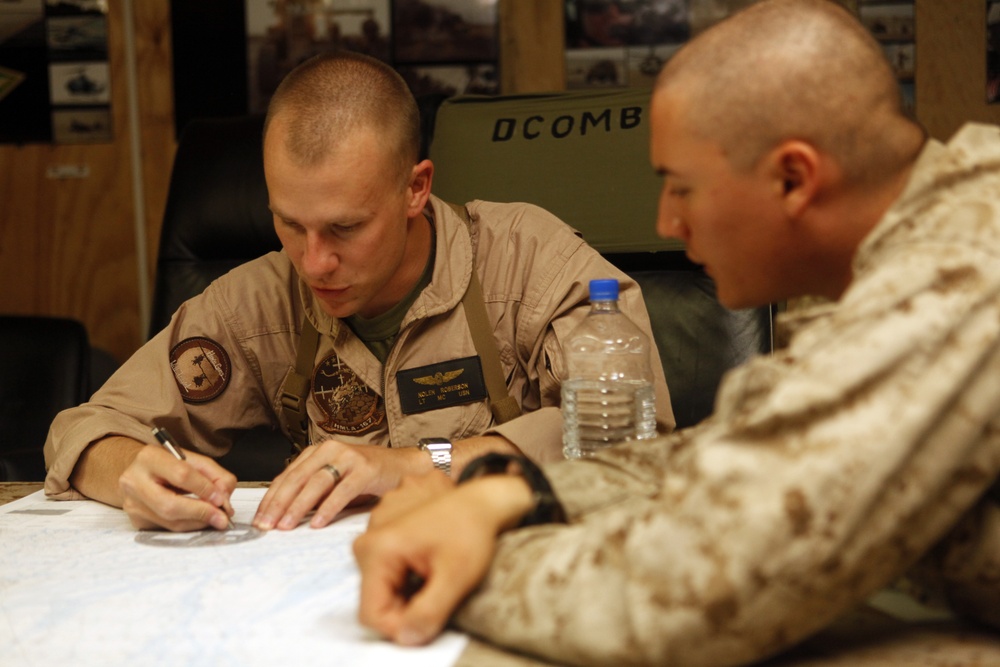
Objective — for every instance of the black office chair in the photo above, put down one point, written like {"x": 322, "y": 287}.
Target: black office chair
{"x": 216, "y": 216}
{"x": 45, "y": 367}
{"x": 585, "y": 157}
{"x": 698, "y": 338}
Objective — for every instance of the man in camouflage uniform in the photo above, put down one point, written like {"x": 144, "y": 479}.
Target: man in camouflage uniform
{"x": 869, "y": 445}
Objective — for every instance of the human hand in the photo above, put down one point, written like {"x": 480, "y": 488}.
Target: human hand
{"x": 155, "y": 485}
{"x": 413, "y": 491}
{"x": 447, "y": 541}
{"x": 310, "y": 482}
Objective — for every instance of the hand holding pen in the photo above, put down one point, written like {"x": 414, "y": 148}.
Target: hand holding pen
{"x": 167, "y": 441}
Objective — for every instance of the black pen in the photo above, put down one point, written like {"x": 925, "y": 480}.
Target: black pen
{"x": 168, "y": 442}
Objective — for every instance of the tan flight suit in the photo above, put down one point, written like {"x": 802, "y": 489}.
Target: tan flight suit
{"x": 219, "y": 365}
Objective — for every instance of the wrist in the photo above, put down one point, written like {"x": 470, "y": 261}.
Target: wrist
{"x": 100, "y": 466}
{"x": 469, "y": 449}
{"x": 505, "y": 499}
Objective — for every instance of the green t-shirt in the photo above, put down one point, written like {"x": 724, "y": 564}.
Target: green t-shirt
{"x": 379, "y": 333}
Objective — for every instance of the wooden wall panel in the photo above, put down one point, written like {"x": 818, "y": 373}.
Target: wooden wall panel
{"x": 951, "y": 65}
{"x": 532, "y": 58}
{"x": 67, "y": 246}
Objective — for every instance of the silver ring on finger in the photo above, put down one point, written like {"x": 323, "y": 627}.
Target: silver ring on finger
{"x": 333, "y": 471}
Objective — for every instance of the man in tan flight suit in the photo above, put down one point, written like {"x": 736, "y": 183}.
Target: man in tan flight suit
{"x": 374, "y": 289}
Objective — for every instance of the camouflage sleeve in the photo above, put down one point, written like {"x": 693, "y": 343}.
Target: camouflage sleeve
{"x": 817, "y": 482}
{"x": 964, "y": 569}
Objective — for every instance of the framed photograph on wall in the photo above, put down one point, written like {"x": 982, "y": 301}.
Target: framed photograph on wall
{"x": 449, "y": 80}
{"x": 596, "y": 68}
{"x": 53, "y": 61}
{"x": 282, "y": 35}
{"x": 619, "y": 43}
{"x": 992, "y": 52}
{"x": 444, "y": 31}
{"x": 229, "y": 55}
{"x": 893, "y": 24}
{"x": 81, "y": 125}
{"x": 888, "y": 22}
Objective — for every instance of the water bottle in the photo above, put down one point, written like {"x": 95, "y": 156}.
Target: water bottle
{"x": 608, "y": 395}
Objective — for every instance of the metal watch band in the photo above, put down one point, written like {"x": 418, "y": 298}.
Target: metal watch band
{"x": 440, "y": 451}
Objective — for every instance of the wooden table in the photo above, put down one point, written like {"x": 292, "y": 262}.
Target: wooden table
{"x": 864, "y": 638}
{"x": 13, "y": 490}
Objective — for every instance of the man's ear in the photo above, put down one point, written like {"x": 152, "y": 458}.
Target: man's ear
{"x": 419, "y": 189}
{"x": 797, "y": 167}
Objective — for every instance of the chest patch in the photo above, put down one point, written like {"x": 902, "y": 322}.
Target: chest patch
{"x": 201, "y": 368}
{"x": 349, "y": 405}
{"x": 441, "y": 385}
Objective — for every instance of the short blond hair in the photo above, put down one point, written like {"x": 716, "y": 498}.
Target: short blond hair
{"x": 336, "y": 93}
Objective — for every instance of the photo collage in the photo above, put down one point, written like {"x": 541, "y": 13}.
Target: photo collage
{"x": 893, "y": 24}
{"x": 624, "y": 43}
{"x": 444, "y": 47}
{"x": 54, "y": 77}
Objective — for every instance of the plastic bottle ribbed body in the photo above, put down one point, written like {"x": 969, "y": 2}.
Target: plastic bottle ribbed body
{"x": 608, "y": 396}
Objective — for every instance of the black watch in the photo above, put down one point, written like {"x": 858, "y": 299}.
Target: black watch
{"x": 547, "y": 507}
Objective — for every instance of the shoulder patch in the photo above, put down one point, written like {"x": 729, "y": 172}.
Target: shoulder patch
{"x": 350, "y": 406}
{"x": 201, "y": 368}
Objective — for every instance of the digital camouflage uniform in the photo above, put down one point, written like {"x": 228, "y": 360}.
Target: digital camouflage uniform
{"x": 827, "y": 470}
{"x": 218, "y": 367}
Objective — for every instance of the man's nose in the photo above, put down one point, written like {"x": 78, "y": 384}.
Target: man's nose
{"x": 320, "y": 256}
{"x": 669, "y": 223}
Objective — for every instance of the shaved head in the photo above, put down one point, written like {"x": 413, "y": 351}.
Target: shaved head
{"x": 794, "y": 69}
{"x": 335, "y": 94}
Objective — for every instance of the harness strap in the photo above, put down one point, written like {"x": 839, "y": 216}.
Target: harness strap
{"x": 502, "y": 404}
{"x": 295, "y": 389}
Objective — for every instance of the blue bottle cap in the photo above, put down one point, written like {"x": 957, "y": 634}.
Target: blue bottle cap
{"x": 604, "y": 289}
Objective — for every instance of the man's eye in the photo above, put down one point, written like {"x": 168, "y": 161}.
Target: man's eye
{"x": 679, "y": 192}
{"x": 294, "y": 226}
{"x": 344, "y": 230}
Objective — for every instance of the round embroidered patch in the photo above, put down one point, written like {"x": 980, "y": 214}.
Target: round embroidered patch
{"x": 201, "y": 368}
{"x": 350, "y": 406}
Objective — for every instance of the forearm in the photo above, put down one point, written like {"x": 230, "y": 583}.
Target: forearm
{"x": 469, "y": 449}
{"x": 667, "y": 591}
{"x": 502, "y": 500}
{"x": 100, "y": 467}
{"x": 731, "y": 568}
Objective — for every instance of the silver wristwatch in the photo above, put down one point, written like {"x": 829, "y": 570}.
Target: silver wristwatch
{"x": 440, "y": 451}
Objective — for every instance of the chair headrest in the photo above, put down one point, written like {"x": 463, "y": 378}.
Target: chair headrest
{"x": 217, "y": 201}
{"x": 216, "y": 216}
{"x": 583, "y": 155}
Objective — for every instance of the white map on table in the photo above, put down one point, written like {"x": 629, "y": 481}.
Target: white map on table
{"x": 76, "y": 589}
